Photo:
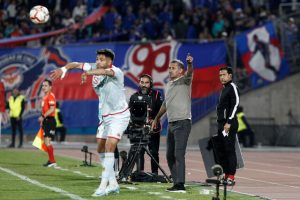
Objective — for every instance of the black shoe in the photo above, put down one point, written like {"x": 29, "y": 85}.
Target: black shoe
{"x": 46, "y": 164}
{"x": 20, "y": 146}
{"x": 49, "y": 164}
{"x": 177, "y": 188}
{"x": 11, "y": 146}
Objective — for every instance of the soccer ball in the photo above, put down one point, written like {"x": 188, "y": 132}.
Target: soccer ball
{"x": 39, "y": 14}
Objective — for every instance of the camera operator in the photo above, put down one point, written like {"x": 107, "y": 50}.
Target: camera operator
{"x": 146, "y": 89}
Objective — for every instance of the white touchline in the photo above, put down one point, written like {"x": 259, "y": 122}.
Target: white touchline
{"x": 75, "y": 172}
{"x": 55, "y": 189}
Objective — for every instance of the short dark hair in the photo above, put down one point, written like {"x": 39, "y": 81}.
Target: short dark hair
{"x": 49, "y": 81}
{"x": 179, "y": 63}
{"x": 107, "y": 52}
{"x": 227, "y": 68}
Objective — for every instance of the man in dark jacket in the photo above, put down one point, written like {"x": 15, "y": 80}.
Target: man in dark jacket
{"x": 227, "y": 124}
{"x": 145, "y": 89}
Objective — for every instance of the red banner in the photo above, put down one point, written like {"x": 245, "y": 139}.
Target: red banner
{"x": 2, "y": 97}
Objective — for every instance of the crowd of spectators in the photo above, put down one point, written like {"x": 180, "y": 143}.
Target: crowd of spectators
{"x": 142, "y": 20}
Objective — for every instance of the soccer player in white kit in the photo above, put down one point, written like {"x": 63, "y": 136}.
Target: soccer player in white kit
{"x": 108, "y": 83}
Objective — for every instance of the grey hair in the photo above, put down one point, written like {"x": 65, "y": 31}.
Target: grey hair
{"x": 179, "y": 62}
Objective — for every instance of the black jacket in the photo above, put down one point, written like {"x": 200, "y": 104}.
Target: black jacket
{"x": 228, "y": 103}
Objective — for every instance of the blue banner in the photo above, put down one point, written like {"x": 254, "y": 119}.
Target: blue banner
{"x": 26, "y": 68}
{"x": 262, "y": 56}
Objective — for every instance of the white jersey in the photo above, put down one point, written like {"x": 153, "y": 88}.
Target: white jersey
{"x": 110, "y": 90}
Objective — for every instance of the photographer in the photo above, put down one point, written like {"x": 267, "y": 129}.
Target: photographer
{"x": 145, "y": 89}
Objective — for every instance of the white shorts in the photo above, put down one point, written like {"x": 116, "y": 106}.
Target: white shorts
{"x": 113, "y": 126}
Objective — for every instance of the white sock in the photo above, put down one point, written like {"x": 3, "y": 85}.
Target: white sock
{"x": 116, "y": 165}
{"x": 105, "y": 173}
{"x": 101, "y": 158}
{"x": 110, "y": 167}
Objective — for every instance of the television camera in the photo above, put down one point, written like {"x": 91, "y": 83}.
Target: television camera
{"x": 139, "y": 133}
{"x": 139, "y": 128}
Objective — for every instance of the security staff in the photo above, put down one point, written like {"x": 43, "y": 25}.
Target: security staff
{"x": 244, "y": 130}
{"x": 227, "y": 124}
{"x": 146, "y": 88}
{"x": 16, "y": 106}
{"x": 60, "y": 128}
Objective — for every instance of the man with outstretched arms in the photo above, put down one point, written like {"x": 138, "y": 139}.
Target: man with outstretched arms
{"x": 108, "y": 83}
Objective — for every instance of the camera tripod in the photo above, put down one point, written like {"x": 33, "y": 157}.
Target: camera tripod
{"x": 133, "y": 157}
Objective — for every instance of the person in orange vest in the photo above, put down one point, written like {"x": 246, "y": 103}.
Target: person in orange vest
{"x": 60, "y": 128}
{"x": 47, "y": 120}
{"x": 16, "y": 106}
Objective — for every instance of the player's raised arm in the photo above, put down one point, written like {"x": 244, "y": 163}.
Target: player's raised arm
{"x": 189, "y": 60}
{"x": 61, "y": 72}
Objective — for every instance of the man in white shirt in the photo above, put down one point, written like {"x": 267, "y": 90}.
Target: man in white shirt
{"x": 108, "y": 83}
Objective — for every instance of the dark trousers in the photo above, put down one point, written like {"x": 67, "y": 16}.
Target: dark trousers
{"x": 225, "y": 148}
{"x": 16, "y": 124}
{"x": 116, "y": 154}
{"x": 62, "y": 132}
{"x": 154, "y": 150}
{"x": 177, "y": 137}
{"x": 246, "y": 137}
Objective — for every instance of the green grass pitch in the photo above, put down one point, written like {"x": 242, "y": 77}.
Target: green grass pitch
{"x": 22, "y": 176}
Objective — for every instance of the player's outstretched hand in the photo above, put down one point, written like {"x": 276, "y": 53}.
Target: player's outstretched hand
{"x": 58, "y": 73}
